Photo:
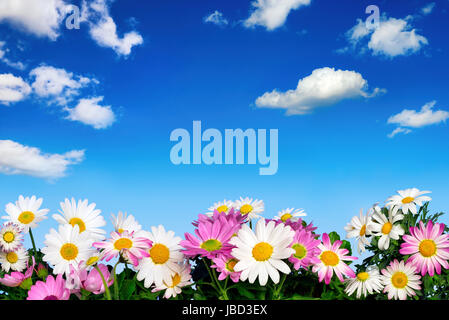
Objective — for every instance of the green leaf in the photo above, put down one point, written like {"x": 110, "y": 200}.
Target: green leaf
{"x": 333, "y": 236}
{"x": 127, "y": 289}
{"x": 244, "y": 292}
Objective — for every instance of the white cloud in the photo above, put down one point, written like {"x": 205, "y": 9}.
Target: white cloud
{"x": 427, "y": 9}
{"x": 16, "y": 158}
{"x": 12, "y": 89}
{"x": 425, "y": 117}
{"x": 56, "y": 84}
{"x": 39, "y": 17}
{"x": 89, "y": 112}
{"x": 325, "y": 86}
{"x": 3, "y": 50}
{"x": 272, "y": 14}
{"x": 393, "y": 37}
{"x": 103, "y": 29}
{"x": 399, "y": 130}
{"x": 216, "y": 18}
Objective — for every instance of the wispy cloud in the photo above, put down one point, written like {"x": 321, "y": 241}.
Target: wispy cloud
{"x": 216, "y": 18}
{"x": 12, "y": 89}
{"x": 427, "y": 9}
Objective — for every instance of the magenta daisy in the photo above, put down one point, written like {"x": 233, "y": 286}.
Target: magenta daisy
{"x": 16, "y": 278}
{"x": 212, "y": 238}
{"x": 225, "y": 265}
{"x": 332, "y": 260}
{"x": 51, "y": 289}
{"x": 428, "y": 247}
{"x": 126, "y": 243}
{"x": 306, "y": 249}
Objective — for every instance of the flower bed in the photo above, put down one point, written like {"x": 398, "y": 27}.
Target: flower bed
{"x": 233, "y": 253}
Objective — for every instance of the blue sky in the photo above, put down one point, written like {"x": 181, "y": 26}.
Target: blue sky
{"x": 165, "y": 66}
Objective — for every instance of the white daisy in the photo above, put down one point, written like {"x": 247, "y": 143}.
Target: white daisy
{"x": 407, "y": 200}
{"x": 180, "y": 278}
{"x": 26, "y": 212}
{"x": 360, "y": 228}
{"x": 249, "y": 207}
{"x": 260, "y": 253}
{"x": 165, "y": 254}
{"x": 385, "y": 228}
{"x": 84, "y": 215}
{"x": 221, "y": 206}
{"x": 366, "y": 282}
{"x": 291, "y": 214}
{"x": 66, "y": 247}
{"x": 10, "y": 237}
{"x": 400, "y": 280}
{"x": 124, "y": 222}
{"x": 14, "y": 260}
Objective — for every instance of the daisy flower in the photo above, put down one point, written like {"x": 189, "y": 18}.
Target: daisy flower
{"x": 212, "y": 238}
{"x": 407, "y": 200}
{"x": 221, "y": 207}
{"x": 225, "y": 265}
{"x": 26, "y": 212}
{"x": 306, "y": 249}
{"x": 14, "y": 260}
{"x": 165, "y": 254}
{"x": 260, "y": 253}
{"x": 249, "y": 207}
{"x": 400, "y": 280}
{"x": 125, "y": 243}
{"x": 332, "y": 260}
{"x": 290, "y": 214}
{"x": 428, "y": 246}
{"x": 180, "y": 278}
{"x": 124, "y": 222}
{"x": 10, "y": 237}
{"x": 360, "y": 228}
{"x": 365, "y": 282}
{"x": 66, "y": 247}
{"x": 51, "y": 289}
{"x": 84, "y": 215}
{"x": 385, "y": 228}
{"x": 16, "y": 278}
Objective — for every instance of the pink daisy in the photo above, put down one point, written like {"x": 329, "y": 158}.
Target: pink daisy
{"x": 332, "y": 260}
{"x": 212, "y": 238}
{"x": 306, "y": 249}
{"x": 125, "y": 243}
{"x": 295, "y": 225}
{"x": 225, "y": 265}
{"x": 16, "y": 278}
{"x": 51, "y": 289}
{"x": 234, "y": 217}
{"x": 428, "y": 247}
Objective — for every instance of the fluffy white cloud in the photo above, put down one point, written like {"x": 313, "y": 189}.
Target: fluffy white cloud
{"x": 39, "y": 17}
{"x": 89, "y": 112}
{"x": 393, "y": 37}
{"x": 399, "y": 130}
{"x": 12, "y": 88}
{"x": 103, "y": 29}
{"x": 425, "y": 117}
{"x": 56, "y": 84}
{"x": 272, "y": 14}
{"x": 16, "y": 158}
{"x": 325, "y": 86}
{"x": 216, "y": 18}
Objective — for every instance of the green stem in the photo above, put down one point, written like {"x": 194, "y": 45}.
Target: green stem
{"x": 210, "y": 275}
{"x": 106, "y": 288}
{"x": 213, "y": 276}
{"x": 116, "y": 294}
{"x": 34, "y": 244}
{"x": 277, "y": 291}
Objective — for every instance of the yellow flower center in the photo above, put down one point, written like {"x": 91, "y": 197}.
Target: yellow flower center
{"x": 427, "y": 248}
{"x": 92, "y": 260}
{"x": 159, "y": 253}
{"x": 12, "y": 257}
{"x": 79, "y": 222}
{"x": 363, "y": 230}
{"x": 285, "y": 217}
{"x": 245, "y": 209}
{"x": 262, "y": 251}
{"x": 26, "y": 217}
{"x": 222, "y": 209}
{"x": 399, "y": 280}
{"x": 408, "y": 200}
{"x": 176, "y": 279}
{"x": 8, "y": 236}
{"x": 231, "y": 264}
{"x": 211, "y": 245}
{"x": 362, "y": 276}
{"x": 120, "y": 230}
{"x": 300, "y": 251}
{"x": 69, "y": 251}
{"x": 329, "y": 258}
{"x": 386, "y": 228}
{"x": 123, "y": 243}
